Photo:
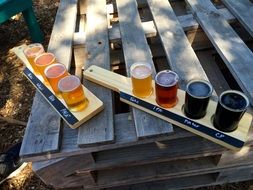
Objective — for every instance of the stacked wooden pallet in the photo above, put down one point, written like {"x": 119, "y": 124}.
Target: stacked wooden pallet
{"x": 134, "y": 149}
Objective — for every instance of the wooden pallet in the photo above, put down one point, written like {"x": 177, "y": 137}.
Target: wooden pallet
{"x": 122, "y": 146}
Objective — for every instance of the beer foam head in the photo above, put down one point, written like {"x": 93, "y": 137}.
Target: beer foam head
{"x": 140, "y": 70}
{"x": 199, "y": 88}
{"x": 44, "y": 59}
{"x": 166, "y": 78}
{"x": 234, "y": 100}
{"x": 69, "y": 83}
{"x": 55, "y": 70}
{"x": 33, "y": 50}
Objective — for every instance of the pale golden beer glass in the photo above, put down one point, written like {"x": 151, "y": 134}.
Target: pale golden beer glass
{"x": 42, "y": 61}
{"x": 72, "y": 93}
{"x": 141, "y": 76}
{"x": 54, "y": 73}
{"x": 31, "y": 52}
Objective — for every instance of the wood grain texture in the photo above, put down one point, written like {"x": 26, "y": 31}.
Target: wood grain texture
{"x": 124, "y": 129}
{"x": 187, "y": 22}
{"x": 153, "y": 172}
{"x": 43, "y": 130}
{"x": 136, "y": 49}
{"x": 236, "y": 55}
{"x": 165, "y": 171}
{"x": 100, "y": 129}
{"x": 179, "y": 53}
{"x": 243, "y": 11}
{"x": 64, "y": 172}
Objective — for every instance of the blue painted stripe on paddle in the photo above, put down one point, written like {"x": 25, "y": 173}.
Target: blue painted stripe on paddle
{"x": 54, "y": 101}
{"x": 185, "y": 121}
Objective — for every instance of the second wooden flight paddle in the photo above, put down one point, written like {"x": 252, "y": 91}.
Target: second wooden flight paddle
{"x": 202, "y": 127}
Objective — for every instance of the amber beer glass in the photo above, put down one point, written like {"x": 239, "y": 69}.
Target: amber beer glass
{"x": 72, "y": 93}
{"x": 32, "y": 51}
{"x": 54, "y": 73}
{"x": 166, "y": 85}
{"x": 44, "y": 60}
{"x": 141, "y": 76}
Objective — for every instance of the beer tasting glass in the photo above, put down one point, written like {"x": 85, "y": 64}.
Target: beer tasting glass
{"x": 54, "y": 73}
{"x": 166, "y": 85}
{"x": 44, "y": 60}
{"x": 72, "y": 93}
{"x": 32, "y": 51}
{"x": 197, "y": 97}
{"x": 141, "y": 76}
{"x": 230, "y": 109}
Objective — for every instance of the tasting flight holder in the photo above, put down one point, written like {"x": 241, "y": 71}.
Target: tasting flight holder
{"x": 202, "y": 127}
{"x": 73, "y": 119}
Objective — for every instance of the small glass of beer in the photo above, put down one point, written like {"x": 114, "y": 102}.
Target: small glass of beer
{"x": 166, "y": 85}
{"x": 44, "y": 60}
{"x": 141, "y": 76}
{"x": 231, "y": 106}
{"x": 54, "y": 73}
{"x": 72, "y": 93}
{"x": 32, "y": 51}
{"x": 197, "y": 97}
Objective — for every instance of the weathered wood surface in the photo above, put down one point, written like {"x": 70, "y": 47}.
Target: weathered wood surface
{"x": 243, "y": 11}
{"x": 135, "y": 48}
{"x": 191, "y": 182}
{"x": 236, "y": 55}
{"x": 165, "y": 171}
{"x": 187, "y": 22}
{"x": 42, "y": 134}
{"x": 180, "y": 55}
{"x": 125, "y": 136}
{"x": 100, "y": 129}
{"x": 64, "y": 173}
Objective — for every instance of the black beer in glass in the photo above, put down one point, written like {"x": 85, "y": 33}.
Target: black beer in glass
{"x": 197, "y": 97}
{"x": 230, "y": 109}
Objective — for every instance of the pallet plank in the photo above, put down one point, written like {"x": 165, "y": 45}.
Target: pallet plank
{"x": 43, "y": 130}
{"x": 135, "y": 49}
{"x": 236, "y": 55}
{"x": 153, "y": 172}
{"x": 243, "y": 10}
{"x": 179, "y": 53}
{"x": 188, "y": 22}
{"x": 100, "y": 129}
{"x": 69, "y": 146}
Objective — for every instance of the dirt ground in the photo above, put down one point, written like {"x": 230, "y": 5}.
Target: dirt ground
{"x": 16, "y": 93}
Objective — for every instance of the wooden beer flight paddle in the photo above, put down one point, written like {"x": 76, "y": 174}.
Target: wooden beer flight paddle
{"x": 73, "y": 119}
{"x": 202, "y": 127}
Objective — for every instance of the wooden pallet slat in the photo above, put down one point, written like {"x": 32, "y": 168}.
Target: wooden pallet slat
{"x": 243, "y": 10}
{"x": 136, "y": 49}
{"x": 43, "y": 130}
{"x": 178, "y": 50}
{"x": 236, "y": 55}
{"x": 101, "y": 128}
{"x": 69, "y": 145}
{"x": 188, "y": 22}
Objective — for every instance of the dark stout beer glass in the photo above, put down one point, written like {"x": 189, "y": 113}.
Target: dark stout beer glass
{"x": 166, "y": 85}
{"x": 197, "y": 97}
{"x": 230, "y": 109}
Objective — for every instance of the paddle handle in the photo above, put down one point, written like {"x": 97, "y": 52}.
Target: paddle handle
{"x": 107, "y": 78}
